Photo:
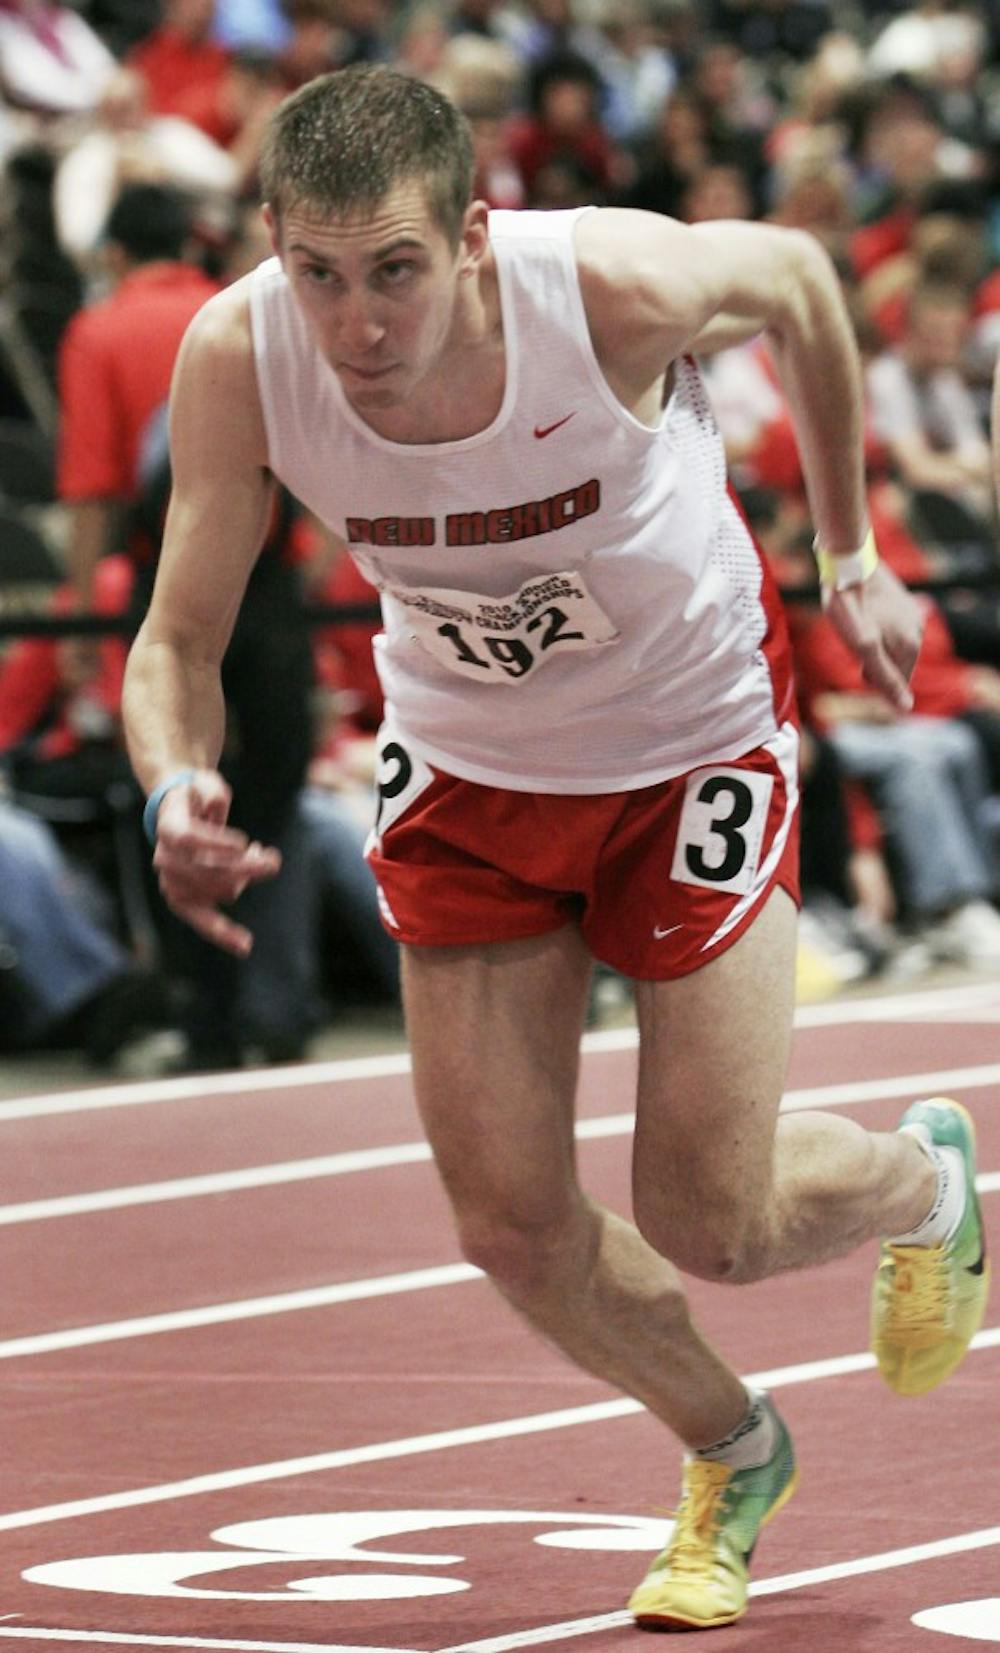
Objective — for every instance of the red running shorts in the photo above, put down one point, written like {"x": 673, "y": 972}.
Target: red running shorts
{"x": 659, "y": 880}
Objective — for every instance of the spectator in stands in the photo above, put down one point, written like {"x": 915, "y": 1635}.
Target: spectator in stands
{"x": 126, "y": 145}
{"x": 637, "y": 71}
{"x": 482, "y": 77}
{"x": 233, "y": 111}
{"x": 563, "y": 124}
{"x": 116, "y": 362}
{"x": 180, "y": 57}
{"x": 59, "y": 736}
{"x": 67, "y": 982}
{"x": 315, "y": 44}
{"x": 716, "y": 192}
{"x": 51, "y": 61}
{"x": 901, "y": 154}
{"x": 678, "y": 149}
{"x": 927, "y": 775}
{"x": 923, "y": 411}
{"x": 739, "y": 109}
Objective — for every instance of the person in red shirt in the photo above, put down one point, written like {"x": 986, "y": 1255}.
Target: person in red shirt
{"x": 115, "y": 364}
{"x": 563, "y": 125}
{"x": 180, "y": 57}
{"x": 928, "y": 774}
{"x": 45, "y": 719}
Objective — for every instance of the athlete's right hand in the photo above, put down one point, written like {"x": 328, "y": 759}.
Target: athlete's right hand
{"x": 204, "y": 864}
{"x": 883, "y": 623}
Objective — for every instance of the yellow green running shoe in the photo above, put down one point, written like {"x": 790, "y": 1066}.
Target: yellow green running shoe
{"x": 928, "y": 1302}
{"x": 701, "y": 1579}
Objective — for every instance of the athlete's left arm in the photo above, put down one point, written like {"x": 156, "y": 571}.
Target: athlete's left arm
{"x": 654, "y": 289}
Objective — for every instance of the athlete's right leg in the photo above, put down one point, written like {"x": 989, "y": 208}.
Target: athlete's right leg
{"x": 495, "y": 1032}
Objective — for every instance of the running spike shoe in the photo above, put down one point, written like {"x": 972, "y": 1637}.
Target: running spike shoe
{"x": 701, "y": 1579}
{"x": 928, "y": 1302}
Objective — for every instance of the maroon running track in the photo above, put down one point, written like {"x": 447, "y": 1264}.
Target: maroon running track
{"x": 253, "y": 1398}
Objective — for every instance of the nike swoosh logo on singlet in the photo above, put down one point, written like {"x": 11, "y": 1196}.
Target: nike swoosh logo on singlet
{"x": 546, "y": 430}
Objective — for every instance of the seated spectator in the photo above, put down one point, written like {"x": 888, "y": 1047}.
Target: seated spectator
{"x": 925, "y": 415}
{"x": 677, "y": 150}
{"x": 563, "y": 125}
{"x": 482, "y": 77}
{"x": 739, "y": 108}
{"x": 811, "y": 190}
{"x": 817, "y": 90}
{"x": 948, "y": 246}
{"x": 60, "y": 737}
{"x": 927, "y": 775}
{"x": 901, "y": 154}
{"x": 126, "y": 145}
{"x": 234, "y": 111}
{"x": 638, "y": 72}
{"x": 180, "y": 57}
{"x": 51, "y": 61}
{"x": 315, "y": 44}
{"x": 716, "y": 192}
{"x": 75, "y": 986}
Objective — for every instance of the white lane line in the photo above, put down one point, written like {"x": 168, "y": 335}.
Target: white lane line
{"x": 254, "y": 1308}
{"x": 246, "y": 1308}
{"x": 960, "y": 1544}
{"x": 112, "y": 1638}
{"x": 417, "y": 1153}
{"x": 975, "y": 999}
{"x": 538, "y": 1423}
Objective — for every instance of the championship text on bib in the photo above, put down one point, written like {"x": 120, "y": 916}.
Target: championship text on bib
{"x": 502, "y": 639}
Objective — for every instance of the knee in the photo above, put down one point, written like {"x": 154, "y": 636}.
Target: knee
{"x": 710, "y": 1238}
{"x": 523, "y": 1257}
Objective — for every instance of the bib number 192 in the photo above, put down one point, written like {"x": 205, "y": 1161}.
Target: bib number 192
{"x": 512, "y": 654}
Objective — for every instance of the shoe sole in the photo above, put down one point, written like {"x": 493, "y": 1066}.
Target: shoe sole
{"x": 674, "y": 1621}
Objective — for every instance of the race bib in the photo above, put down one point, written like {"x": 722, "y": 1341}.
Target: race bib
{"x": 504, "y": 639}
{"x": 721, "y": 829}
{"x": 400, "y": 778}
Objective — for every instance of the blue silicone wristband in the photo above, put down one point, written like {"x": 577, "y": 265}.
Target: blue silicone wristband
{"x": 156, "y": 798}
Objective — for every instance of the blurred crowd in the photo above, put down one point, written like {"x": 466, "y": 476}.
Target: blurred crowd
{"x": 129, "y": 140}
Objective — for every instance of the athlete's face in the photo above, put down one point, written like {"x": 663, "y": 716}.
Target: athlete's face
{"x": 379, "y": 291}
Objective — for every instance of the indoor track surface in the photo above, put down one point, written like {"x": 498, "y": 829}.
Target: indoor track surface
{"x": 253, "y": 1399}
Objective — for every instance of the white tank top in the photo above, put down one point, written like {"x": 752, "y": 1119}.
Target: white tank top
{"x": 571, "y": 600}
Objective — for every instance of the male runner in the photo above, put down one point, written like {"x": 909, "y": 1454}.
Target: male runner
{"x": 590, "y": 747}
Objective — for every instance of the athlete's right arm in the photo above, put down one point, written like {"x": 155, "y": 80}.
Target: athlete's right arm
{"x": 173, "y": 703}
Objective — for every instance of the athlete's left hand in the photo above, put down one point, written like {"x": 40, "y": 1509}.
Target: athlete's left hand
{"x": 882, "y": 622}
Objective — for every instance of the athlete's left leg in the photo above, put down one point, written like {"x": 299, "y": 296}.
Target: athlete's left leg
{"x": 727, "y": 1190}
{"x": 722, "y": 1186}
